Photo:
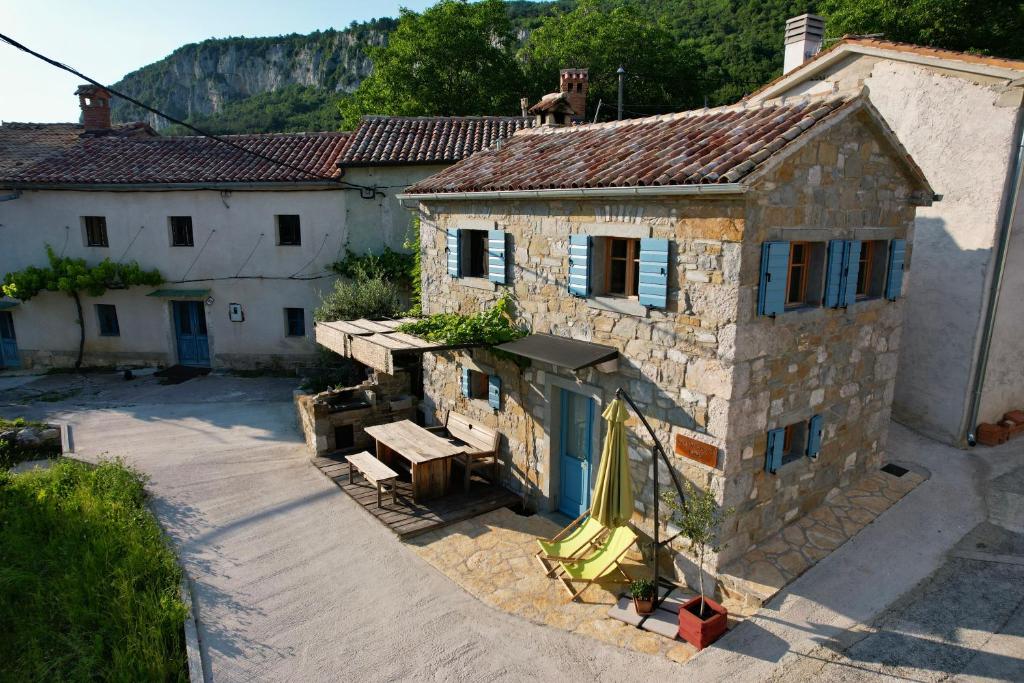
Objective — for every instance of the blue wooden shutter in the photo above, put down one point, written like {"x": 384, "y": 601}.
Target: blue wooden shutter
{"x": 579, "y": 265}
{"x": 496, "y": 256}
{"x": 773, "y": 454}
{"x": 894, "y": 280}
{"x": 494, "y": 391}
{"x": 454, "y": 262}
{"x": 834, "y": 273}
{"x": 465, "y": 382}
{"x": 814, "y": 436}
{"x": 851, "y": 262}
{"x": 653, "y": 285}
{"x": 771, "y": 295}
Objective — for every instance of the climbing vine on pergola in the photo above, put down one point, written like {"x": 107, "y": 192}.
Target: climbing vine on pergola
{"x": 75, "y": 277}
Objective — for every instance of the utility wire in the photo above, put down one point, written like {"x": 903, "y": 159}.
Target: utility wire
{"x": 13, "y": 43}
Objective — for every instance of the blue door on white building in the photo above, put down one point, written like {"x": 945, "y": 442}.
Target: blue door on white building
{"x": 8, "y": 342}
{"x": 575, "y": 452}
{"x": 190, "y": 333}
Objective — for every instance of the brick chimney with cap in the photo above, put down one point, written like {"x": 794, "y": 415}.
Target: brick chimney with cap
{"x": 95, "y": 104}
{"x": 575, "y": 83}
{"x": 804, "y": 35}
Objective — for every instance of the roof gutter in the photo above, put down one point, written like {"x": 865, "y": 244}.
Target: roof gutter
{"x": 1002, "y": 247}
{"x": 157, "y": 187}
{"x": 582, "y": 192}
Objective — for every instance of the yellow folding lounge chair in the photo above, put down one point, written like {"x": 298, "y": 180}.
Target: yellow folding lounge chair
{"x": 581, "y": 535}
{"x": 603, "y": 563}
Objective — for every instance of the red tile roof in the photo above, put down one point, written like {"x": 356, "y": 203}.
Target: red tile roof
{"x": 402, "y": 140}
{"x": 24, "y": 144}
{"x": 704, "y": 146}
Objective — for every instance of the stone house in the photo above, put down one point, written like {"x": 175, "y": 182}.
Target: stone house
{"x": 739, "y": 271}
{"x": 961, "y": 116}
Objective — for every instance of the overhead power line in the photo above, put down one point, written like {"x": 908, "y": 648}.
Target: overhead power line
{"x": 64, "y": 67}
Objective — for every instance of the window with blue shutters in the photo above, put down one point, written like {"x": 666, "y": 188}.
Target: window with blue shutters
{"x": 466, "y": 383}
{"x": 496, "y": 248}
{"x": 894, "y": 276}
{"x": 476, "y": 384}
{"x": 452, "y": 247}
{"x": 771, "y": 295}
{"x": 851, "y": 264}
{"x": 814, "y": 427}
{"x": 494, "y": 391}
{"x": 579, "y": 265}
{"x": 773, "y": 454}
{"x": 653, "y": 276}
{"x": 841, "y": 273}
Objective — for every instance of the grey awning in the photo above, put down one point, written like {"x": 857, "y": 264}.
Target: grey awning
{"x": 566, "y": 353}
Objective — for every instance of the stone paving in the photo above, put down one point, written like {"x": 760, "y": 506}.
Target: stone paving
{"x": 760, "y": 573}
{"x": 492, "y": 557}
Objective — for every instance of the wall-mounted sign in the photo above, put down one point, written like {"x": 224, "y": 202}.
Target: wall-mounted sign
{"x": 704, "y": 453}
{"x": 235, "y": 313}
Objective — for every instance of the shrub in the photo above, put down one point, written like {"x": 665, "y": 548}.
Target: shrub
{"x": 349, "y": 300}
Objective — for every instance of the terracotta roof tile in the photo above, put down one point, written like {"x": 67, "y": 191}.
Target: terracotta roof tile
{"x": 380, "y": 140}
{"x": 705, "y": 146}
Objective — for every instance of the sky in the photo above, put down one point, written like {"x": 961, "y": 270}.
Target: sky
{"x": 106, "y": 39}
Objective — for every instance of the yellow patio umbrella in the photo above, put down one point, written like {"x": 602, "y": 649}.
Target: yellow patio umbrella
{"x": 612, "y": 504}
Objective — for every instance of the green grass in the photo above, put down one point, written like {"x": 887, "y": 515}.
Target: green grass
{"x": 88, "y": 582}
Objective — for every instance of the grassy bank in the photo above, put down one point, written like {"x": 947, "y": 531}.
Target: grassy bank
{"x": 88, "y": 584}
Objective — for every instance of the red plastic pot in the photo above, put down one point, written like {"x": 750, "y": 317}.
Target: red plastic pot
{"x": 702, "y": 632}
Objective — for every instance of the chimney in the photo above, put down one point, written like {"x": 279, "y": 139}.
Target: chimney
{"x": 803, "y": 40}
{"x": 95, "y": 104}
{"x": 575, "y": 83}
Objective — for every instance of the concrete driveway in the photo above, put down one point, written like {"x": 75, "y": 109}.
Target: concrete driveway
{"x": 292, "y": 580}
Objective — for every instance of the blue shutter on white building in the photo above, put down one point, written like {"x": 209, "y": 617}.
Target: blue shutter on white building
{"x": 465, "y": 382}
{"x": 579, "y": 265}
{"x": 771, "y": 294}
{"x": 834, "y": 273}
{"x": 454, "y": 262}
{"x": 852, "y": 267}
{"x": 773, "y": 454}
{"x": 496, "y": 247}
{"x": 653, "y": 285}
{"x": 894, "y": 278}
{"x": 494, "y": 391}
{"x": 814, "y": 426}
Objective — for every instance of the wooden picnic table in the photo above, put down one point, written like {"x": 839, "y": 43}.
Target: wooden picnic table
{"x": 429, "y": 455}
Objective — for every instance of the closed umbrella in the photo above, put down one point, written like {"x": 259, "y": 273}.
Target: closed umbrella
{"x": 612, "y": 505}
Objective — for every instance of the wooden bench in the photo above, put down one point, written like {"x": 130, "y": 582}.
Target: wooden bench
{"x": 481, "y": 444}
{"x": 374, "y": 471}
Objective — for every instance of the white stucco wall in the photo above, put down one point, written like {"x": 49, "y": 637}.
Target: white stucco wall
{"x": 960, "y": 131}
{"x": 235, "y": 255}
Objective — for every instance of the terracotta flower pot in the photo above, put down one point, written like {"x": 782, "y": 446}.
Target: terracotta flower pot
{"x": 644, "y": 606}
{"x": 702, "y": 632}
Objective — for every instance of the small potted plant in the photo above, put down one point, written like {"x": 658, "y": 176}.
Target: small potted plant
{"x": 702, "y": 621}
{"x": 642, "y": 591}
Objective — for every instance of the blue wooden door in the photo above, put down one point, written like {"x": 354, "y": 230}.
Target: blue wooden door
{"x": 575, "y": 446}
{"x": 8, "y": 343}
{"x": 190, "y": 333}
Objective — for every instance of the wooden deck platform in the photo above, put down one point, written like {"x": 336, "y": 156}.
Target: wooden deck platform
{"x": 407, "y": 518}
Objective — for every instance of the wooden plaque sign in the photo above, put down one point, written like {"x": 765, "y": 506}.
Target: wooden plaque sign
{"x": 704, "y": 453}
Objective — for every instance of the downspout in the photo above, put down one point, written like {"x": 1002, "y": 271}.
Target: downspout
{"x": 1002, "y": 246}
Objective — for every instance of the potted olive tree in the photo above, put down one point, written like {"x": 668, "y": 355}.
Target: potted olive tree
{"x": 701, "y": 620}
{"x": 642, "y": 591}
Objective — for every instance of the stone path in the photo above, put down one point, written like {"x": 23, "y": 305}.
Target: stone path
{"x": 762, "y": 572}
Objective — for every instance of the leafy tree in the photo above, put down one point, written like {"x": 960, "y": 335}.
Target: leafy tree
{"x": 454, "y": 59}
{"x": 986, "y": 26}
{"x": 74, "y": 277}
{"x": 361, "y": 298}
{"x": 601, "y": 35}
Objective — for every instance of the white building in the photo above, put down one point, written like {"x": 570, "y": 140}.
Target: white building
{"x": 960, "y": 117}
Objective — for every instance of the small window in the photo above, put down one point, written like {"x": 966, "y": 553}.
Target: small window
{"x": 95, "y": 231}
{"x": 474, "y": 253}
{"x": 871, "y": 269}
{"x": 477, "y": 384}
{"x": 805, "y": 276}
{"x": 295, "y": 319}
{"x": 181, "y": 231}
{"x": 622, "y": 265}
{"x": 794, "y": 445}
{"x": 107, "y": 316}
{"x": 288, "y": 232}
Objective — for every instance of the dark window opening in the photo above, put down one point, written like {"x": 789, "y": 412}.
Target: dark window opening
{"x": 794, "y": 446}
{"x": 478, "y": 385}
{"x": 344, "y": 436}
{"x": 622, "y": 266}
{"x": 871, "y": 269}
{"x": 295, "y": 322}
{"x": 107, "y": 316}
{"x": 95, "y": 231}
{"x": 288, "y": 232}
{"x": 475, "y": 246}
{"x": 181, "y": 231}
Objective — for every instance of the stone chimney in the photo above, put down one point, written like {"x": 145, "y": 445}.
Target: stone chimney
{"x": 95, "y": 104}
{"x": 575, "y": 83}
{"x": 803, "y": 40}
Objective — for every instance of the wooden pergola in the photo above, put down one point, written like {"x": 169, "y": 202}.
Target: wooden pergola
{"x": 375, "y": 343}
